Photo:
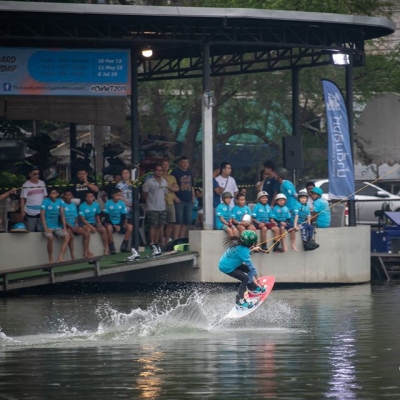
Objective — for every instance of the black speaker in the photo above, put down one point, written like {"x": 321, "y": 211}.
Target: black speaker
{"x": 292, "y": 152}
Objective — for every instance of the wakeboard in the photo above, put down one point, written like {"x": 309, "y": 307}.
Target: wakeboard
{"x": 236, "y": 312}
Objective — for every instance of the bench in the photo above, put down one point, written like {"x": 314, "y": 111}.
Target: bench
{"x": 94, "y": 262}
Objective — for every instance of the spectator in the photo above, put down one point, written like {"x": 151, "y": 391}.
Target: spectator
{"x": 241, "y": 222}
{"x": 31, "y": 199}
{"x": 262, "y": 214}
{"x": 321, "y": 215}
{"x": 82, "y": 186}
{"x": 260, "y": 183}
{"x": 309, "y": 186}
{"x": 8, "y": 193}
{"x": 110, "y": 186}
{"x": 115, "y": 220}
{"x": 184, "y": 197}
{"x": 304, "y": 222}
{"x": 73, "y": 228}
{"x": 217, "y": 189}
{"x": 287, "y": 188}
{"x": 172, "y": 187}
{"x": 271, "y": 184}
{"x": 89, "y": 213}
{"x": 226, "y": 182}
{"x": 52, "y": 212}
{"x": 281, "y": 217}
{"x": 154, "y": 191}
{"x": 127, "y": 191}
{"x": 224, "y": 218}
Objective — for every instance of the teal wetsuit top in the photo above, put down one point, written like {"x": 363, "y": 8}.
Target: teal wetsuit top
{"x": 234, "y": 257}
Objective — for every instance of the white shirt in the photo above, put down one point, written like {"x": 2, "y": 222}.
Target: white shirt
{"x": 34, "y": 193}
{"x": 229, "y": 185}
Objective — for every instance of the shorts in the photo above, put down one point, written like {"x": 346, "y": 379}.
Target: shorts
{"x": 157, "y": 218}
{"x": 288, "y": 225}
{"x": 224, "y": 228}
{"x": 122, "y": 230}
{"x": 58, "y": 233}
{"x": 171, "y": 215}
{"x": 184, "y": 212}
{"x": 33, "y": 223}
{"x": 269, "y": 225}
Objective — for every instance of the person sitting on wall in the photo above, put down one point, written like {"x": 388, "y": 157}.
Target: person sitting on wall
{"x": 321, "y": 215}
{"x": 73, "y": 228}
{"x": 89, "y": 214}
{"x": 223, "y": 215}
{"x": 281, "y": 217}
{"x": 115, "y": 220}
{"x": 242, "y": 214}
{"x": 52, "y": 212}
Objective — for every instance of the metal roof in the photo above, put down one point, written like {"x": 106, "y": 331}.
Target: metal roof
{"x": 255, "y": 40}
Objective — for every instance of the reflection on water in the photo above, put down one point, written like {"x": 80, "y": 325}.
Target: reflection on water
{"x": 337, "y": 343}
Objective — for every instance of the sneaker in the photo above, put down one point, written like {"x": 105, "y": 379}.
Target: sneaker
{"x": 159, "y": 248}
{"x": 154, "y": 248}
{"x": 244, "y": 304}
{"x": 112, "y": 248}
{"x": 134, "y": 256}
{"x": 124, "y": 247}
{"x": 258, "y": 291}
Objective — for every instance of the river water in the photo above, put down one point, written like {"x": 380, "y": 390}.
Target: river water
{"x": 320, "y": 343}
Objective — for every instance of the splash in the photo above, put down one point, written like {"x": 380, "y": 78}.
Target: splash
{"x": 173, "y": 315}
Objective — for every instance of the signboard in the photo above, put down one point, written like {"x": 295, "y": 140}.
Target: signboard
{"x": 29, "y": 71}
{"x": 340, "y": 157}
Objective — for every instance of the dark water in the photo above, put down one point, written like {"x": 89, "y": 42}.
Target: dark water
{"x": 328, "y": 343}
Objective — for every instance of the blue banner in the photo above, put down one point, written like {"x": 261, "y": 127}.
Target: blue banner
{"x": 78, "y": 72}
{"x": 340, "y": 157}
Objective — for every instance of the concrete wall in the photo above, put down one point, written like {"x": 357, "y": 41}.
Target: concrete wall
{"x": 18, "y": 250}
{"x": 343, "y": 257}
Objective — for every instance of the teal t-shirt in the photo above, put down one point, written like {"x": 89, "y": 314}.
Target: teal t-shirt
{"x": 115, "y": 210}
{"x": 281, "y": 214}
{"x": 52, "y": 212}
{"x": 288, "y": 189}
{"x": 71, "y": 213}
{"x": 222, "y": 211}
{"x": 238, "y": 212}
{"x": 262, "y": 212}
{"x": 89, "y": 212}
{"x": 234, "y": 258}
{"x": 321, "y": 207}
{"x": 304, "y": 212}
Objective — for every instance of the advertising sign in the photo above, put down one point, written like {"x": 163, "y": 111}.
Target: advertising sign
{"x": 79, "y": 72}
{"x": 340, "y": 157}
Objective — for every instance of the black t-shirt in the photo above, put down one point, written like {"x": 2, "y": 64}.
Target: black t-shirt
{"x": 80, "y": 191}
{"x": 184, "y": 179}
{"x": 271, "y": 186}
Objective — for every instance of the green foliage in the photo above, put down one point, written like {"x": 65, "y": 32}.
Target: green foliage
{"x": 9, "y": 180}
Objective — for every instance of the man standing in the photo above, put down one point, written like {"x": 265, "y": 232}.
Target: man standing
{"x": 172, "y": 188}
{"x": 32, "y": 196}
{"x": 184, "y": 197}
{"x": 226, "y": 182}
{"x": 83, "y": 186}
{"x": 271, "y": 184}
{"x": 154, "y": 191}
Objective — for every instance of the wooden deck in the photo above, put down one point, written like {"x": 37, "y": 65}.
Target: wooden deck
{"x": 386, "y": 264}
{"x": 84, "y": 269}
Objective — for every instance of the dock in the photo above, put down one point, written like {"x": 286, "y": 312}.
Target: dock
{"x": 98, "y": 268}
{"x": 386, "y": 264}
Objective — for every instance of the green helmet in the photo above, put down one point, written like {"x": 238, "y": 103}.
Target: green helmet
{"x": 249, "y": 238}
{"x": 226, "y": 195}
